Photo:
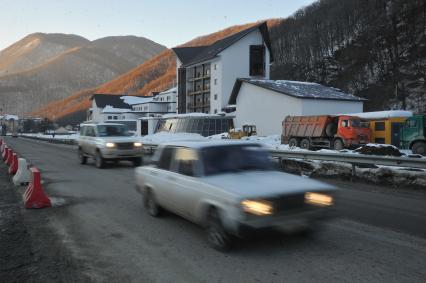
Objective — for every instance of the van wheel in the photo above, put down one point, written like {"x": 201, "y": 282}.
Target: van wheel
{"x": 151, "y": 205}
{"x": 137, "y": 161}
{"x": 99, "y": 160}
{"x": 293, "y": 142}
{"x": 217, "y": 236}
{"x": 338, "y": 144}
{"x": 81, "y": 157}
{"x": 305, "y": 144}
{"x": 419, "y": 148}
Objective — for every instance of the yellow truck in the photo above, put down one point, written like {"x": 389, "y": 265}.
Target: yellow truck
{"x": 385, "y": 125}
{"x": 246, "y": 131}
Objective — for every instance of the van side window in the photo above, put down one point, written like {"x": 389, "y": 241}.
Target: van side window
{"x": 165, "y": 158}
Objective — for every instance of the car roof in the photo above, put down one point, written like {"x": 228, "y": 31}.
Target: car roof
{"x": 209, "y": 143}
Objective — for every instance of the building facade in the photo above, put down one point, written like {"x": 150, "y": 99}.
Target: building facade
{"x": 206, "y": 74}
{"x": 265, "y": 103}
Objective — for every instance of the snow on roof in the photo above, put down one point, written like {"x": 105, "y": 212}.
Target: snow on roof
{"x": 110, "y": 109}
{"x": 132, "y": 100}
{"x": 383, "y": 114}
{"x": 306, "y": 90}
{"x": 189, "y": 115}
{"x": 170, "y": 90}
{"x": 10, "y": 117}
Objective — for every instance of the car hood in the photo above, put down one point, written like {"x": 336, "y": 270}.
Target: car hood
{"x": 265, "y": 183}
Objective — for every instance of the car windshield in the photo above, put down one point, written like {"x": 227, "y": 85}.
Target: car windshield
{"x": 227, "y": 159}
{"x": 112, "y": 131}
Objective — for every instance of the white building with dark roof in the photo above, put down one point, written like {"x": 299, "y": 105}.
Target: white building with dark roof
{"x": 206, "y": 74}
{"x": 266, "y": 103}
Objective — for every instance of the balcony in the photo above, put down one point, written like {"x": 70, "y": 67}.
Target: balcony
{"x": 198, "y": 78}
{"x": 198, "y": 91}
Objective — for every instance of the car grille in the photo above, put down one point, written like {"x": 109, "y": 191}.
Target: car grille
{"x": 125, "y": 145}
{"x": 289, "y": 202}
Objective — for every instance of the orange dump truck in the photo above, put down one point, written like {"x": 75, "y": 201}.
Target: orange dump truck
{"x": 325, "y": 131}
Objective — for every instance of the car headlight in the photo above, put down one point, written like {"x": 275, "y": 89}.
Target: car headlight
{"x": 257, "y": 207}
{"x": 137, "y": 144}
{"x": 318, "y": 199}
{"x": 110, "y": 144}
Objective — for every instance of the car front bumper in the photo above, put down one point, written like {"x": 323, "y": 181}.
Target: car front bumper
{"x": 121, "y": 153}
{"x": 285, "y": 221}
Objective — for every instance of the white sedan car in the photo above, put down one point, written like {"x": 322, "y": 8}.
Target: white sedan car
{"x": 230, "y": 188}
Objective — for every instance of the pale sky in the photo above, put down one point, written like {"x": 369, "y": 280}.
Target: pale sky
{"x": 167, "y": 22}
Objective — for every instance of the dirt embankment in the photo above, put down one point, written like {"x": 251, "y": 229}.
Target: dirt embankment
{"x": 29, "y": 250}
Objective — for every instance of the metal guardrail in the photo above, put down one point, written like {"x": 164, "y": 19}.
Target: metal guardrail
{"x": 51, "y": 140}
{"x": 351, "y": 158}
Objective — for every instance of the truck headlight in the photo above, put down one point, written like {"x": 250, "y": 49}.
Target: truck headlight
{"x": 137, "y": 144}
{"x": 110, "y": 144}
{"x": 257, "y": 207}
{"x": 318, "y": 199}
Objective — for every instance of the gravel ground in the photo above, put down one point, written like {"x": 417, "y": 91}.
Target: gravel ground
{"x": 29, "y": 250}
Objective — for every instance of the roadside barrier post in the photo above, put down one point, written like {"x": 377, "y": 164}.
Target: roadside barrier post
{"x": 22, "y": 176}
{"x": 34, "y": 196}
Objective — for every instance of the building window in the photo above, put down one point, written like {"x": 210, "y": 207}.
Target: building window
{"x": 168, "y": 98}
{"x": 215, "y": 81}
{"x": 215, "y": 111}
{"x": 115, "y": 117}
{"x": 109, "y": 117}
{"x": 215, "y": 66}
{"x": 215, "y": 97}
{"x": 257, "y": 60}
{"x": 379, "y": 126}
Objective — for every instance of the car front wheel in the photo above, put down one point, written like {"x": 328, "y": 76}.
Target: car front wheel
{"x": 151, "y": 205}
{"x": 81, "y": 157}
{"x": 217, "y": 236}
{"x": 99, "y": 160}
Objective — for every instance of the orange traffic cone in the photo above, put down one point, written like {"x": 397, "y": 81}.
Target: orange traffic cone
{"x": 34, "y": 196}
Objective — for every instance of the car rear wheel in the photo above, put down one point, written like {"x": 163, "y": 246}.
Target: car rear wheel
{"x": 151, "y": 205}
{"x": 81, "y": 157}
{"x": 217, "y": 236}
{"x": 99, "y": 160}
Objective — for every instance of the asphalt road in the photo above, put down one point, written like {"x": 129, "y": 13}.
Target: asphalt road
{"x": 380, "y": 235}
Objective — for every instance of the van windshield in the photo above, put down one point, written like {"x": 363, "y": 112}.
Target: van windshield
{"x": 113, "y": 131}
{"x": 233, "y": 158}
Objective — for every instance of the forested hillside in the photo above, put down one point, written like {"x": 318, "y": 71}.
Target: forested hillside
{"x": 372, "y": 48}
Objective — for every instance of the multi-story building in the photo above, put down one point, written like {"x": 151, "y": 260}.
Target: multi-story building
{"x": 207, "y": 74}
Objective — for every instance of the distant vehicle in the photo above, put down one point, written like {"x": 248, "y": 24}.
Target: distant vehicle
{"x": 325, "y": 131}
{"x": 230, "y": 188}
{"x": 246, "y": 131}
{"x": 108, "y": 142}
{"x": 413, "y": 134}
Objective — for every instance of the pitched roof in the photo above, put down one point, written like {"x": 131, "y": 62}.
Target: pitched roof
{"x": 193, "y": 55}
{"x": 102, "y": 100}
{"x": 303, "y": 90}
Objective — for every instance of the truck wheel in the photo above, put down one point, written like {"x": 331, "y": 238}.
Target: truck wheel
{"x": 419, "y": 148}
{"x": 338, "y": 144}
{"x": 330, "y": 130}
{"x": 293, "y": 142}
{"x": 81, "y": 157}
{"x": 217, "y": 236}
{"x": 305, "y": 144}
{"x": 99, "y": 160}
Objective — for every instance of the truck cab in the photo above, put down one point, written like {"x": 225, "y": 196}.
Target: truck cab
{"x": 351, "y": 131}
{"x": 413, "y": 134}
